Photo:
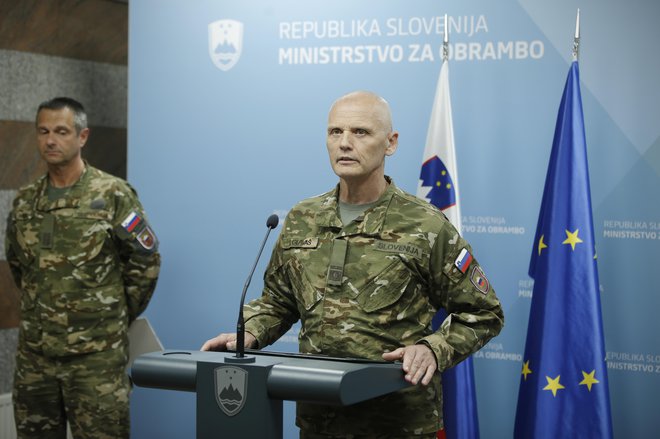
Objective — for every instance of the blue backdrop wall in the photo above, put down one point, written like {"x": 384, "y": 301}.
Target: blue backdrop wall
{"x": 213, "y": 151}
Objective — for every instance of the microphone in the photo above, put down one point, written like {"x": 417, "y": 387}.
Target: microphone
{"x": 271, "y": 223}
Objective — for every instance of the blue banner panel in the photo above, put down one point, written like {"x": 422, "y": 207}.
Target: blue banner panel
{"x": 228, "y": 105}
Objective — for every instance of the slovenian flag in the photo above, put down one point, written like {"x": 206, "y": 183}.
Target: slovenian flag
{"x": 131, "y": 221}
{"x": 463, "y": 260}
{"x": 438, "y": 184}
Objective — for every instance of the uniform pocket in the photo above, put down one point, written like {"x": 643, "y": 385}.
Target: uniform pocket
{"x": 91, "y": 264}
{"x": 96, "y": 317}
{"x": 25, "y": 238}
{"x": 307, "y": 294}
{"x": 30, "y": 321}
{"x": 88, "y": 246}
{"x": 386, "y": 288}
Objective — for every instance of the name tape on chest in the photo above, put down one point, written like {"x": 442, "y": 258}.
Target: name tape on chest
{"x": 301, "y": 243}
{"x": 396, "y": 247}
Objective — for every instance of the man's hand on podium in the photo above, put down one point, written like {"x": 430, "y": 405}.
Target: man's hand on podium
{"x": 419, "y": 362}
{"x": 225, "y": 342}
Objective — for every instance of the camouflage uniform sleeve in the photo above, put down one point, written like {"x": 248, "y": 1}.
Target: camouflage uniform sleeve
{"x": 270, "y": 316}
{"x": 138, "y": 250}
{"x": 459, "y": 285}
{"x": 10, "y": 251}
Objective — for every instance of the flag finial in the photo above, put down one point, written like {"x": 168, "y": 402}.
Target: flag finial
{"x": 445, "y": 42}
{"x": 576, "y": 39}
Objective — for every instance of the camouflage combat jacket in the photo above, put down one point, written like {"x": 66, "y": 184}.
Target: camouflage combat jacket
{"x": 372, "y": 286}
{"x": 86, "y": 264}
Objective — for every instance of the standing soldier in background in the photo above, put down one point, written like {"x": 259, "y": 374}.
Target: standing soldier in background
{"x": 86, "y": 261}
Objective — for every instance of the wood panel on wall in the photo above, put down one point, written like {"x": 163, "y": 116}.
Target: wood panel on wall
{"x": 92, "y": 30}
{"x": 85, "y": 42}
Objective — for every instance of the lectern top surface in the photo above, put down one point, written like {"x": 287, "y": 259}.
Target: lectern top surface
{"x": 316, "y": 357}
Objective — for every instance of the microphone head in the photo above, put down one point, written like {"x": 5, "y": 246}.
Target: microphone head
{"x": 272, "y": 221}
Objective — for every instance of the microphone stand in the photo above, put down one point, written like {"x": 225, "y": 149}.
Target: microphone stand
{"x": 240, "y": 357}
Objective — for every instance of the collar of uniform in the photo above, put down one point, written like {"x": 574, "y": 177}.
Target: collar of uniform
{"x": 371, "y": 223}
{"x": 71, "y": 200}
{"x": 327, "y": 215}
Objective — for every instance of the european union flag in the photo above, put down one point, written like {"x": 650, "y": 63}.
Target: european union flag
{"x": 563, "y": 387}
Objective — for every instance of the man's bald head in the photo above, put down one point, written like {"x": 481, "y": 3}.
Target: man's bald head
{"x": 379, "y": 106}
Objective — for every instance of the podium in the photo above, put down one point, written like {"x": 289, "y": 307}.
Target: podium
{"x": 242, "y": 397}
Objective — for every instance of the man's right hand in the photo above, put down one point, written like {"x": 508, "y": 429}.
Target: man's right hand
{"x": 224, "y": 342}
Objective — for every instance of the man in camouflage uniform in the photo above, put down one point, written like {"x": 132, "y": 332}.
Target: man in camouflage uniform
{"x": 86, "y": 261}
{"x": 365, "y": 267}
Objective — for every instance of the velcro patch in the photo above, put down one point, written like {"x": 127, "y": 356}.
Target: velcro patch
{"x": 463, "y": 260}
{"x": 99, "y": 203}
{"x": 147, "y": 238}
{"x": 131, "y": 221}
{"x": 479, "y": 280}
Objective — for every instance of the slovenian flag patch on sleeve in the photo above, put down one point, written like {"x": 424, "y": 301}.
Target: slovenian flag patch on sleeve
{"x": 463, "y": 260}
{"x": 131, "y": 221}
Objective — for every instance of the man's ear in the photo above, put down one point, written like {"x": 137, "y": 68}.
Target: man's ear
{"x": 83, "y": 136}
{"x": 393, "y": 139}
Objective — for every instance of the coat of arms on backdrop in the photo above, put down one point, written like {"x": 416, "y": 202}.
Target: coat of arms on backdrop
{"x": 225, "y": 43}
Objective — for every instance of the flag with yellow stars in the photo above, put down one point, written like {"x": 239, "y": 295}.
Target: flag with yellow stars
{"x": 563, "y": 383}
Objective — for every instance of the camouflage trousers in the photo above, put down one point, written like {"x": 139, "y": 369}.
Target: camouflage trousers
{"x": 90, "y": 391}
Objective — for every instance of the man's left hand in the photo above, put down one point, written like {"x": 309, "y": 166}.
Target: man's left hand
{"x": 418, "y": 362}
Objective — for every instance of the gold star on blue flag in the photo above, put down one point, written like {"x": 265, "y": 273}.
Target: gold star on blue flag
{"x": 563, "y": 387}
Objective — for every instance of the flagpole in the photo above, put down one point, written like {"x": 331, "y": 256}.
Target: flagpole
{"x": 445, "y": 43}
{"x": 438, "y": 184}
{"x": 565, "y": 327}
{"x": 576, "y": 39}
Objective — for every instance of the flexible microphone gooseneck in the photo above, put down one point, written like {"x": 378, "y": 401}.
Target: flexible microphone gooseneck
{"x": 271, "y": 223}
